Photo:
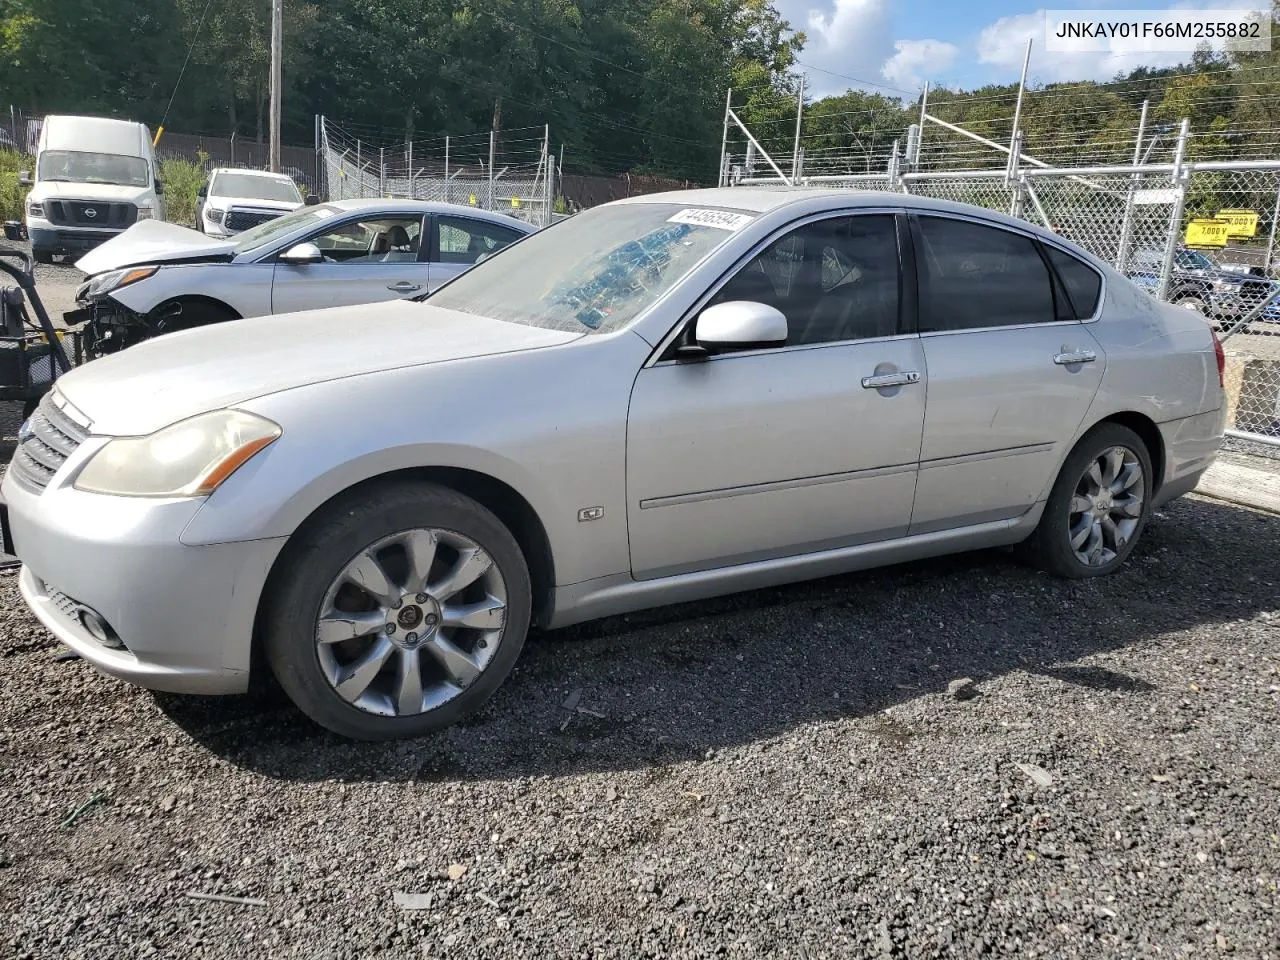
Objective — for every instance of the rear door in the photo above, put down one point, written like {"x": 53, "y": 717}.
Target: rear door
{"x": 459, "y": 242}
{"x": 367, "y": 259}
{"x": 1012, "y": 369}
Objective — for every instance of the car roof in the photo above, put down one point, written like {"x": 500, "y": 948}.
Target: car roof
{"x": 251, "y": 172}
{"x": 767, "y": 199}
{"x": 425, "y": 206}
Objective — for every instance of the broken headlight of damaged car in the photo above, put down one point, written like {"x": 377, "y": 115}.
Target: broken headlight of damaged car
{"x": 190, "y": 458}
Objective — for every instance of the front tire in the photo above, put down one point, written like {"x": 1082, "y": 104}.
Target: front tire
{"x": 399, "y": 611}
{"x": 42, "y": 256}
{"x": 1098, "y": 508}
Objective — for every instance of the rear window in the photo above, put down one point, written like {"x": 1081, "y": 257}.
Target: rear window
{"x": 1083, "y": 283}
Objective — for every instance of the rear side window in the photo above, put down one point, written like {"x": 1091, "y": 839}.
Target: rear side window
{"x": 972, "y": 276}
{"x": 1083, "y": 283}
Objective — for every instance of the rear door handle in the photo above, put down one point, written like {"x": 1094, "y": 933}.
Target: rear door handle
{"x": 404, "y": 286}
{"x": 882, "y": 380}
{"x": 1073, "y": 357}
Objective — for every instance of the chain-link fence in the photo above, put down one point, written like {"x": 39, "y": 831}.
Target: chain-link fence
{"x": 1201, "y": 235}
{"x": 512, "y": 173}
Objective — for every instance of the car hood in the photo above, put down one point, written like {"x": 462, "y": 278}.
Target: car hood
{"x": 79, "y": 190}
{"x": 179, "y": 375}
{"x": 154, "y": 241}
{"x": 253, "y": 203}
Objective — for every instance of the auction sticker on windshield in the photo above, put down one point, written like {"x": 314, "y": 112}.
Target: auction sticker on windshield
{"x": 721, "y": 219}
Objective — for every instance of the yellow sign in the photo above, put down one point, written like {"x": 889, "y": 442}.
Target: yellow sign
{"x": 515, "y": 203}
{"x": 1207, "y": 233}
{"x": 1240, "y": 223}
{"x": 472, "y": 199}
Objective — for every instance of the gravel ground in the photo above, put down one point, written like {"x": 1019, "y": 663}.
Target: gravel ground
{"x": 777, "y": 774}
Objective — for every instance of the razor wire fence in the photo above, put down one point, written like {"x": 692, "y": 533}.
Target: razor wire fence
{"x": 1198, "y": 234}
{"x": 512, "y": 173}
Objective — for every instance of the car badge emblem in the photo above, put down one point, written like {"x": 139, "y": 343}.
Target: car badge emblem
{"x": 90, "y": 212}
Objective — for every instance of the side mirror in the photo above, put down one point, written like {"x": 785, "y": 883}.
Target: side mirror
{"x": 302, "y": 253}
{"x": 736, "y": 325}
{"x": 24, "y": 178}
{"x": 202, "y": 193}
{"x": 312, "y": 200}
{"x": 159, "y": 189}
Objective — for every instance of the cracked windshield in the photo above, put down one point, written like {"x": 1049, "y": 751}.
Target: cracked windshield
{"x": 596, "y": 272}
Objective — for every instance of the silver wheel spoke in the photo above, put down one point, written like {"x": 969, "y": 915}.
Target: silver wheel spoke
{"x": 1080, "y": 535}
{"x": 367, "y": 574}
{"x": 1094, "y": 549}
{"x": 1113, "y": 460}
{"x": 456, "y": 662}
{"x": 354, "y": 678}
{"x": 1109, "y": 530}
{"x": 420, "y": 547}
{"x": 471, "y": 566}
{"x": 409, "y": 684}
{"x": 338, "y": 626}
{"x": 1081, "y": 504}
{"x": 1129, "y": 508}
{"x": 487, "y": 614}
{"x": 1129, "y": 476}
{"x": 1094, "y": 473}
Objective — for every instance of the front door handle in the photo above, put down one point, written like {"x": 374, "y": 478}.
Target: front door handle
{"x": 404, "y": 286}
{"x": 882, "y": 380}
{"x": 1073, "y": 357}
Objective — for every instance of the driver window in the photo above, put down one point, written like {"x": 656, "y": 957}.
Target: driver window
{"x": 385, "y": 240}
{"x": 834, "y": 280}
{"x": 464, "y": 240}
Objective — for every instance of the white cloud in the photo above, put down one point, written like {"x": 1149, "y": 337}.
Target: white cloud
{"x": 917, "y": 61}
{"x": 847, "y": 38}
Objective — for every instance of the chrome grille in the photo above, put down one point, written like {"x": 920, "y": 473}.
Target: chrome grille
{"x": 50, "y": 437}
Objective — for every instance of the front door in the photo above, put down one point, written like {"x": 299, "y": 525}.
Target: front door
{"x": 366, "y": 260}
{"x": 789, "y": 450}
{"x": 1012, "y": 370}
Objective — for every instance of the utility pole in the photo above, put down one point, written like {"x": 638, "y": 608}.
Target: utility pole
{"x": 277, "y": 44}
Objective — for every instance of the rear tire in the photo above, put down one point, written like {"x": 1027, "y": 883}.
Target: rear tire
{"x": 1098, "y": 508}
{"x": 42, "y": 256}
{"x": 351, "y": 660}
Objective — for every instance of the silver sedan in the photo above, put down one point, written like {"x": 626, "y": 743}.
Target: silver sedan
{"x": 658, "y": 400}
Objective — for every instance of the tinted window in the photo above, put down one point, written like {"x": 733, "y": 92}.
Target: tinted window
{"x": 1082, "y": 282}
{"x": 976, "y": 276}
{"x": 834, "y": 280}
{"x": 469, "y": 241}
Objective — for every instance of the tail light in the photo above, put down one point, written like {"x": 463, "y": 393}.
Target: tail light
{"x": 1222, "y": 358}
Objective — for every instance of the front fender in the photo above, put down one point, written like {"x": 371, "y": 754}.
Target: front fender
{"x": 549, "y": 423}
{"x": 245, "y": 288}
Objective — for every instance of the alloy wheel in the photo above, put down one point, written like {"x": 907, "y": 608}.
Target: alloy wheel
{"x": 411, "y": 622}
{"x": 1107, "y": 506}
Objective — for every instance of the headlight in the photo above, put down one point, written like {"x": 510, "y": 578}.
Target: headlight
{"x": 146, "y": 211}
{"x": 214, "y": 215}
{"x": 35, "y": 209}
{"x": 1226, "y": 286}
{"x": 104, "y": 283}
{"x": 190, "y": 458}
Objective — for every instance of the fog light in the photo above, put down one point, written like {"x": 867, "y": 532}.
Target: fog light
{"x": 99, "y": 629}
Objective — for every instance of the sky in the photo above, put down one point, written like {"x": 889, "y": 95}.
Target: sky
{"x": 894, "y": 46}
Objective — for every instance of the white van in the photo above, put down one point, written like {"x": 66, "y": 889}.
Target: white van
{"x": 94, "y": 178}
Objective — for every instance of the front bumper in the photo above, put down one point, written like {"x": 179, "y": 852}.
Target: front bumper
{"x": 184, "y": 614}
{"x": 68, "y": 240}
